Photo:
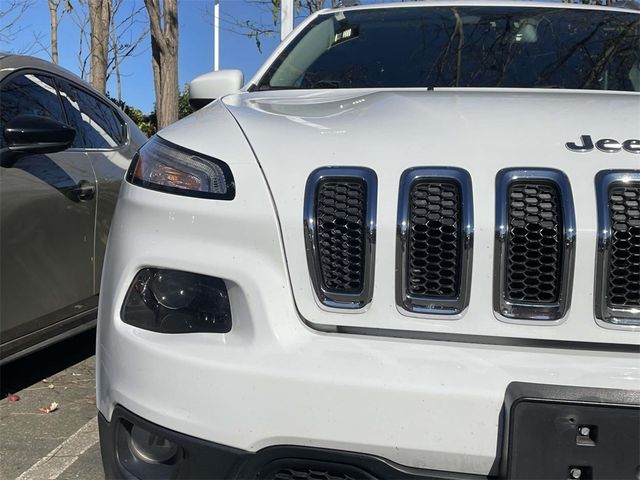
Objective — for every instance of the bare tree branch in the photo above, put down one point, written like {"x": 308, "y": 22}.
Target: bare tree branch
{"x": 80, "y": 18}
{"x": 38, "y": 41}
{"x": 123, "y": 43}
{"x": 263, "y": 27}
{"x": 11, "y": 11}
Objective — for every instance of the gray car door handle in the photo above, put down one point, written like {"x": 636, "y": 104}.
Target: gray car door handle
{"x": 84, "y": 190}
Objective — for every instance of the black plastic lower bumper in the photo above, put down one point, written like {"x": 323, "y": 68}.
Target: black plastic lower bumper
{"x": 542, "y": 436}
{"x": 198, "y": 459}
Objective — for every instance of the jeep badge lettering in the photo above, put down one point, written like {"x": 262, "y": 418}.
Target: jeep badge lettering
{"x": 607, "y": 145}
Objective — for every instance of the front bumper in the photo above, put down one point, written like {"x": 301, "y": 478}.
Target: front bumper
{"x": 209, "y": 460}
{"x": 274, "y": 381}
{"x": 547, "y": 432}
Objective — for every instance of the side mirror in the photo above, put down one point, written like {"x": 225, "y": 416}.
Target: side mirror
{"x": 37, "y": 134}
{"x": 209, "y": 86}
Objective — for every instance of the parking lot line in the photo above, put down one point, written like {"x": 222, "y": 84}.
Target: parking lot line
{"x": 64, "y": 455}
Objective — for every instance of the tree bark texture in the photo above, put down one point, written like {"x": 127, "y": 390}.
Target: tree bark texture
{"x": 53, "y": 14}
{"x": 163, "y": 21}
{"x": 99, "y": 18}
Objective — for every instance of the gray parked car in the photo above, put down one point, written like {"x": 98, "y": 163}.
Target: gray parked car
{"x": 64, "y": 149}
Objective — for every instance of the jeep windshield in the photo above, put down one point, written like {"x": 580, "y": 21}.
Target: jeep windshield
{"x": 467, "y": 46}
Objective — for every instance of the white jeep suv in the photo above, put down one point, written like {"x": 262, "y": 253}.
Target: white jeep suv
{"x": 409, "y": 247}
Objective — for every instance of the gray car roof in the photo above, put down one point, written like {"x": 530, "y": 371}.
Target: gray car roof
{"x": 10, "y": 62}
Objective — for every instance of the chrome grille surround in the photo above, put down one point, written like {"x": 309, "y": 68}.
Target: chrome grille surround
{"x": 609, "y": 314}
{"x": 531, "y": 312}
{"x": 329, "y": 299}
{"x": 435, "y": 306}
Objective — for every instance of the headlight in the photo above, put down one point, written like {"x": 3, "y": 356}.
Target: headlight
{"x": 171, "y": 301}
{"x": 163, "y": 166}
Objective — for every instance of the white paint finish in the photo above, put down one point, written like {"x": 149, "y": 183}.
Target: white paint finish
{"x": 212, "y": 85}
{"x": 54, "y": 463}
{"x": 272, "y": 380}
{"x": 479, "y": 131}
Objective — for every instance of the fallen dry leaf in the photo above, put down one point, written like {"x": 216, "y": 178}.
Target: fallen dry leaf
{"x": 13, "y": 398}
{"x": 51, "y": 408}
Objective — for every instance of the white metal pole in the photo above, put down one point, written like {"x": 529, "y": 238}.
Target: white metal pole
{"x": 286, "y": 18}
{"x": 216, "y": 35}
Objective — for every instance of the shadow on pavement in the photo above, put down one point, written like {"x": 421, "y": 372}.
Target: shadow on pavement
{"x": 42, "y": 364}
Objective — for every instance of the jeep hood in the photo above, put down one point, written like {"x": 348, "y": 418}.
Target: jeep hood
{"x": 293, "y": 133}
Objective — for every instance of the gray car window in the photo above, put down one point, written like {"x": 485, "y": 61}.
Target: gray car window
{"x": 28, "y": 94}
{"x": 97, "y": 123}
{"x": 71, "y": 105}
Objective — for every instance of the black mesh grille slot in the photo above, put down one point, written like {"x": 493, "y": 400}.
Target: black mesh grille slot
{"x": 303, "y": 469}
{"x": 340, "y": 213}
{"x": 534, "y": 245}
{"x": 307, "y": 474}
{"x": 434, "y": 242}
{"x": 623, "y": 280}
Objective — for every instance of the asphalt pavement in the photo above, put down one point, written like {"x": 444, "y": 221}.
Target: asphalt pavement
{"x": 63, "y": 443}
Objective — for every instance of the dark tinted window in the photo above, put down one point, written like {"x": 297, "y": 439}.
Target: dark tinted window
{"x": 72, "y": 109}
{"x": 521, "y": 47}
{"x": 28, "y": 94}
{"x": 99, "y": 125}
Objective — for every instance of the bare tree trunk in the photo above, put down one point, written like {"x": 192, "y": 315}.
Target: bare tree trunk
{"x": 155, "y": 64}
{"x": 99, "y": 17}
{"x": 53, "y": 14}
{"x": 170, "y": 91}
{"x": 164, "y": 58}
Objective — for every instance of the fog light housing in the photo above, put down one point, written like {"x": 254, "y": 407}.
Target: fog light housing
{"x": 143, "y": 450}
{"x": 149, "y": 447}
{"x": 173, "y": 301}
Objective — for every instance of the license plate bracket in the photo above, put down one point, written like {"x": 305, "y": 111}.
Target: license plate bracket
{"x": 571, "y": 433}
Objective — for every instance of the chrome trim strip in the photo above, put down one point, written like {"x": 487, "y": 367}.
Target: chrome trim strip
{"x": 435, "y": 306}
{"x": 526, "y": 312}
{"x": 462, "y": 338}
{"x": 607, "y": 316}
{"x": 335, "y": 300}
